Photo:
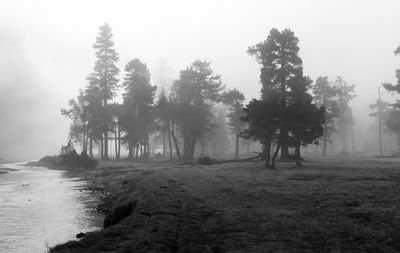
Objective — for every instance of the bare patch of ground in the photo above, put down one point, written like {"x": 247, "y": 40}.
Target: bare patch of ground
{"x": 326, "y": 206}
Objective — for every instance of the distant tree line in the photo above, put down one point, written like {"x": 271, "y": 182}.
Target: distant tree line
{"x": 291, "y": 113}
{"x": 185, "y": 115}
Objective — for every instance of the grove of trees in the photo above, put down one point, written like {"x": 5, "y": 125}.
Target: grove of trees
{"x": 195, "y": 114}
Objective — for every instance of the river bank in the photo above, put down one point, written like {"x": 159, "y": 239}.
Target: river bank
{"x": 348, "y": 205}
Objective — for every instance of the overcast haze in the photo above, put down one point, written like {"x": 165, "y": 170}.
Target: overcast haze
{"x": 46, "y": 50}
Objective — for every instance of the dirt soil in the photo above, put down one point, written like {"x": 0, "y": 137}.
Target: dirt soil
{"x": 329, "y": 205}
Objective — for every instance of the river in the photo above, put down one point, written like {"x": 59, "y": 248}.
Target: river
{"x": 40, "y": 208}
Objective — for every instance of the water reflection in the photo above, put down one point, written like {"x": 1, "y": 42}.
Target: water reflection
{"x": 40, "y": 208}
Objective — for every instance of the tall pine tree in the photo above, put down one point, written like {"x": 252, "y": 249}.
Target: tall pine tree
{"x": 106, "y": 77}
{"x": 281, "y": 72}
{"x": 326, "y": 95}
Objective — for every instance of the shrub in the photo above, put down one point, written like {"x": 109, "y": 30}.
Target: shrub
{"x": 205, "y": 160}
{"x": 54, "y": 160}
{"x": 70, "y": 158}
{"x": 119, "y": 213}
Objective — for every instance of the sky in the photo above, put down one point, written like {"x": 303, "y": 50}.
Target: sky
{"x": 46, "y": 51}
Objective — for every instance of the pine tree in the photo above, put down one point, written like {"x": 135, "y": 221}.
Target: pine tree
{"x": 379, "y": 108}
{"x": 192, "y": 96}
{"x": 138, "y": 100}
{"x": 262, "y": 117}
{"x": 106, "y": 76}
{"x": 326, "y": 95}
{"x": 234, "y": 99}
{"x": 345, "y": 119}
{"x": 281, "y": 71}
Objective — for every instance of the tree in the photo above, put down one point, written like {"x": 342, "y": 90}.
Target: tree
{"x": 234, "y": 99}
{"x": 105, "y": 76}
{"x": 345, "y": 119}
{"x": 392, "y": 123}
{"x": 79, "y": 116}
{"x": 163, "y": 111}
{"x": 305, "y": 122}
{"x": 390, "y": 87}
{"x": 326, "y": 95}
{"x": 138, "y": 100}
{"x": 393, "y": 120}
{"x": 379, "y": 108}
{"x": 193, "y": 95}
{"x": 281, "y": 71}
{"x": 116, "y": 111}
{"x": 95, "y": 110}
{"x": 263, "y": 121}
{"x": 217, "y": 136}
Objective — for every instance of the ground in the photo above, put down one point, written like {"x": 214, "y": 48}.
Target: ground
{"x": 330, "y": 205}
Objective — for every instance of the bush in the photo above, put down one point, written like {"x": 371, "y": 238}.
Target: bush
{"x": 86, "y": 161}
{"x": 70, "y": 158}
{"x": 50, "y": 159}
{"x": 205, "y": 160}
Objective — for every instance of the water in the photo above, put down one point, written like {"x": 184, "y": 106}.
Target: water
{"x": 40, "y": 208}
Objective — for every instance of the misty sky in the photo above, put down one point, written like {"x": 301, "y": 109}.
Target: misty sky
{"x": 46, "y": 50}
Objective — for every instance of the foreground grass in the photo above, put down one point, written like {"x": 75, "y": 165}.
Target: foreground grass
{"x": 326, "y": 206}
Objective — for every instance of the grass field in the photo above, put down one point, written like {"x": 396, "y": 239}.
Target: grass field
{"x": 330, "y": 205}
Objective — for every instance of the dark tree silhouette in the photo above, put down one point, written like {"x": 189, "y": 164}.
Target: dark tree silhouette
{"x": 305, "y": 122}
{"x": 263, "y": 118}
{"x": 139, "y": 112}
{"x": 392, "y": 123}
{"x": 234, "y": 99}
{"x": 105, "y": 76}
{"x": 193, "y": 95}
{"x": 281, "y": 71}
{"x": 116, "y": 112}
{"x": 163, "y": 109}
{"x": 326, "y": 95}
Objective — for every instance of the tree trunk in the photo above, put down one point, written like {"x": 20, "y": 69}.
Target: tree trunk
{"x": 283, "y": 129}
{"x": 105, "y": 154}
{"x": 91, "y": 146}
{"x": 297, "y": 155}
{"x": 283, "y": 144}
{"x": 380, "y": 133}
{"x": 137, "y": 151}
{"x": 267, "y": 151}
{"x": 87, "y": 139}
{"x": 84, "y": 137}
{"x": 285, "y": 151}
{"x": 353, "y": 147}
{"x": 324, "y": 140}
{"x": 164, "y": 145}
{"x": 116, "y": 140}
{"x": 119, "y": 144}
{"x": 237, "y": 144}
{"x": 275, "y": 155}
{"x": 101, "y": 147}
{"x": 190, "y": 147}
{"x": 169, "y": 142}
{"x": 178, "y": 153}
{"x": 130, "y": 154}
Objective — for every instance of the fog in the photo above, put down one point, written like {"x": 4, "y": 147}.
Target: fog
{"x": 46, "y": 52}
